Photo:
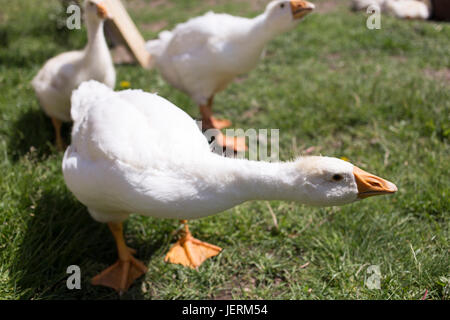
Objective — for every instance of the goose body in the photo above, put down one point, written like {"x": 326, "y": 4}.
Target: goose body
{"x": 203, "y": 55}
{"x": 63, "y": 73}
{"x": 122, "y": 146}
{"x": 125, "y": 158}
{"x": 408, "y": 9}
{"x": 403, "y": 9}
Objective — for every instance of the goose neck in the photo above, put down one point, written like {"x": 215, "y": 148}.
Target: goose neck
{"x": 251, "y": 180}
{"x": 96, "y": 39}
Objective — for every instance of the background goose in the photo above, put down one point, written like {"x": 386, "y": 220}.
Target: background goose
{"x": 403, "y": 9}
{"x": 202, "y": 56}
{"x": 125, "y": 158}
{"x": 408, "y": 9}
{"x": 62, "y": 74}
{"x": 364, "y": 4}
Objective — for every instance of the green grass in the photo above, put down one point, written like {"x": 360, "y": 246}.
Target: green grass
{"x": 380, "y": 98}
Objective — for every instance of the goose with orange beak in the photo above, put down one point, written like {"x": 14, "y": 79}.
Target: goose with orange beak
{"x": 203, "y": 55}
{"x": 64, "y": 73}
{"x": 126, "y": 158}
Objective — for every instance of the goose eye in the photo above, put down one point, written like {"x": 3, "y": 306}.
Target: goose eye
{"x": 282, "y": 5}
{"x": 337, "y": 177}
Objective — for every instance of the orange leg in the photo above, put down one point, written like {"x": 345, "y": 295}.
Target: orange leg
{"x": 122, "y": 274}
{"x": 189, "y": 251}
{"x": 59, "y": 141}
{"x": 210, "y": 122}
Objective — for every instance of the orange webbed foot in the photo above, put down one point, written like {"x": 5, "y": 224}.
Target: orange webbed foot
{"x": 220, "y": 123}
{"x": 191, "y": 252}
{"x": 121, "y": 274}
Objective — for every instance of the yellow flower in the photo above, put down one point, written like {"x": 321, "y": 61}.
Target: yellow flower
{"x": 345, "y": 159}
{"x": 125, "y": 84}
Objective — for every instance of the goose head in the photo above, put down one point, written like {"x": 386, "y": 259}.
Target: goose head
{"x": 96, "y": 11}
{"x": 284, "y": 15}
{"x": 325, "y": 181}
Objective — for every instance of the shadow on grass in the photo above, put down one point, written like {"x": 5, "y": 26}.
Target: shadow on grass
{"x": 62, "y": 233}
{"x": 34, "y": 130}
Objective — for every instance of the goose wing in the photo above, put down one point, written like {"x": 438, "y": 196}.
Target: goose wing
{"x": 132, "y": 126}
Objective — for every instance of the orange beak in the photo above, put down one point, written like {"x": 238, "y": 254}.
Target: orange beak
{"x": 301, "y": 8}
{"x": 102, "y": 11}
{"x": 370, "y": 185}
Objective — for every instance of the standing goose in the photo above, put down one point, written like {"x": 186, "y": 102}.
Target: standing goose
{"x": 202, "y": 56}
{"x": 64, "y": 73}
{"x": 125, "y": 158}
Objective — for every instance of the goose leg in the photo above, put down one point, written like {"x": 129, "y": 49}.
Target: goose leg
{"x": 210, "y": 122}
{"x": 189, "y": 251}
{"x": 59, "y": 141}
{"x": 122, "y": 274}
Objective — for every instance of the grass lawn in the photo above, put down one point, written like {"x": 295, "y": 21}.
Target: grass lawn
{"x": 380, "y": 98}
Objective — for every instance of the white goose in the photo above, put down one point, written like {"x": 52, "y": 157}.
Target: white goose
{"x": 364, "y": 4}
{"x": 202, "y": 56}
{"x": 64, "y": 73}
{"x": 126, "y": 157}
{"x": 408, "y": 9}
{"x": 403, "y": 9}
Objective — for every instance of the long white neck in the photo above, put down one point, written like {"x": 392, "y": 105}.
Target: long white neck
{"x": 96, "y": 47}
{"x": 252, "y": 38}
{"x": 261, "y": 30}
{"x": 238, "y": 180}
{"x": 257, "y": 34}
